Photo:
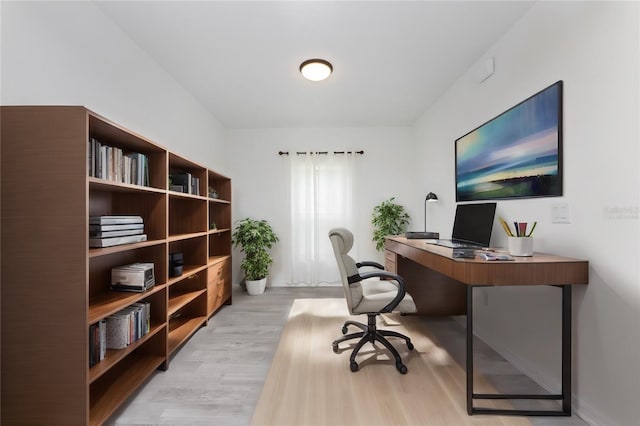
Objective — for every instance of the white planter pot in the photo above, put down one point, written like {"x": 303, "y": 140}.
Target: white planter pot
{"x": 256, "y": 287}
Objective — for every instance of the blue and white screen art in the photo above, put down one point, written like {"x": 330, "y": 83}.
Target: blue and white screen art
{"x": 517, "y": 154}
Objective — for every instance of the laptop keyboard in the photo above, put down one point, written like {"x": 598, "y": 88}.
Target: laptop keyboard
{"x": 457, "y": 244}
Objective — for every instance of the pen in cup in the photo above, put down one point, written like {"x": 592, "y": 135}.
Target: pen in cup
{"x": 532, "y": 228}
{"x": 522, "y": 229}
{"x": 505, "y": 227}
{"x": 519, "y": 227}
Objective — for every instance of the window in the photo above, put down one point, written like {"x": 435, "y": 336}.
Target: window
{"x": 321, "y": 198}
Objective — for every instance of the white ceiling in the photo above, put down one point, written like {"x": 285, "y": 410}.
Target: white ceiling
{"x": 240, "y": 59}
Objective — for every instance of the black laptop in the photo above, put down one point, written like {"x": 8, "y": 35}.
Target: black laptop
{"x": 472, "y": 226}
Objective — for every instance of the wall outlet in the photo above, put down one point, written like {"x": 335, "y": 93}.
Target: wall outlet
{"x": 560, "y": 213}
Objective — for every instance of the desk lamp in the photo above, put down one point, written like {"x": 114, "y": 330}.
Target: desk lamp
{"x": 430, "y": 198}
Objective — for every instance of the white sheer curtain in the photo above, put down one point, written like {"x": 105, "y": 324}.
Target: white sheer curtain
{"x": 321, "y": 198}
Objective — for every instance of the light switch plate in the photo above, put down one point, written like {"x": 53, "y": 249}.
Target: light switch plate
{"x": 560, "y": 213}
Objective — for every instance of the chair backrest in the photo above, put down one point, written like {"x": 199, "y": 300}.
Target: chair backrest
{"x": 342, "y": 241}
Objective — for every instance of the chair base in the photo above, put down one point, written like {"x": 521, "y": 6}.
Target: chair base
{"x": 370, "y": 334}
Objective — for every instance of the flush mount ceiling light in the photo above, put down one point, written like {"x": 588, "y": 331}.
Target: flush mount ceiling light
{"x": 316, "y": 69}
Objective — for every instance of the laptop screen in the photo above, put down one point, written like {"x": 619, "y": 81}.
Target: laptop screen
{"x": 474, "y": 222}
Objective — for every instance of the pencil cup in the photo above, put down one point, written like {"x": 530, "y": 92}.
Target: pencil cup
{"x": 520, "y": 246}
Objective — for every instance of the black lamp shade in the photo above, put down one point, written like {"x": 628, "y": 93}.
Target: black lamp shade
{"x": 431, "y": 197}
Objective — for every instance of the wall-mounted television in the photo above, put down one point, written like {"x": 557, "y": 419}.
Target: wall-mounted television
{"x": 517, "y": 154}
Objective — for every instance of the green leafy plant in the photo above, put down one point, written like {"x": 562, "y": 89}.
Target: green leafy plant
{"x": 254, "y": 237}
{"x": 389, "y": 218}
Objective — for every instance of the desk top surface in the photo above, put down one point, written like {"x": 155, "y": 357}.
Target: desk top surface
{"x": 539, "y": 269}
{"x": 448, "y": 252}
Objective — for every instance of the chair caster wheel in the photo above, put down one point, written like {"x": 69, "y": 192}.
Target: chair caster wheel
{"x": 335, "y": 348}
{"x": 354, "y": 366}
{"x": 344, "y": 329}
{"x": 410, "y": 346}
{"x": 401, "y": 368}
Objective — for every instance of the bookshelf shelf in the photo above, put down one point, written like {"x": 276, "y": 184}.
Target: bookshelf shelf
{"x": 219, "y": 231}
{"x": 189, "y": 270}
{"x": 217, "y": 259}
{"x": 108, "y": 185}
{"x": 179, "y": 301}
{"x": 108, "y": 303}
{"x": 182, "y": 195}
{"x": 114, "y": 356}
{"x": 180, "y": 237}
{"x": 136, "y": 368}
{"x": 96, "y": 252}
{"x": 219, "y": 201}
{"x": 181, "y": 329}
{"x": 57, "y": 386}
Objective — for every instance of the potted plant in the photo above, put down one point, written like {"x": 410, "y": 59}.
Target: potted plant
{"x": 254, "y": 237}
{"x": 389, "y": 218}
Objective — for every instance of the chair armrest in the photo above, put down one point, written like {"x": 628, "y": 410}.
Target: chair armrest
{"x": 369, "y": 263}
{"x": 393, "y": 277}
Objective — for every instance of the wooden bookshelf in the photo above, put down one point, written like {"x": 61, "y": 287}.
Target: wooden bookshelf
{"x": 55, "y": 287}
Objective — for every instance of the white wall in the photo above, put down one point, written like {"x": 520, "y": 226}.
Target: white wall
{"x": 261, "y": 180}
{"x": 594, "y": 48}
{"x": 70, "y": 53}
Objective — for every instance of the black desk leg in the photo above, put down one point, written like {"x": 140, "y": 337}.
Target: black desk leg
{"x": 470, "y": 349}
{"x": 565, "y": 395}
{"x": 566, "y": 349}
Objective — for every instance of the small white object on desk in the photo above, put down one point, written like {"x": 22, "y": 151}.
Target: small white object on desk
{"x": 520, "y": 246}
{"x": 492, "y": 256}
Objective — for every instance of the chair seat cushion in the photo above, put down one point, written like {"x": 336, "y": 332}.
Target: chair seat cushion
{"x": 376, "y": 294}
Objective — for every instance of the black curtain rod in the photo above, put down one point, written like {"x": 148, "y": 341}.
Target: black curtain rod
{"x": 320, "y": 152}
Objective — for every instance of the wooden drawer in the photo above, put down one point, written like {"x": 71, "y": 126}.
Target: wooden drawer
{"x": 390, "y": 261}
{"x": 218, "y": 284}
{"x": 224, "y": 286}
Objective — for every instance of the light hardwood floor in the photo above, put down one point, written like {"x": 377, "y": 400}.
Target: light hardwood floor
{"x": 216, "y": 378}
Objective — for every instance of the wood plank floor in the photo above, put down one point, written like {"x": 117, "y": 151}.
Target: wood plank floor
{"x": 217, "y": 377}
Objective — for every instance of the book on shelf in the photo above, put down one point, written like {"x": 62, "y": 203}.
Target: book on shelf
{"x": 116, "y": 241}
{"x": 143, "y": 321}
{"x": 113, "y": 163}
{"x": 97, "y": 342}
{"x": 128, "y": 325}
{"x": 114, "y": 220}
{"x": 195, "y": 186}
{"x": 118, "y": 227}
{"x": 109, "y": 234}
{"x": 118, "y": 331}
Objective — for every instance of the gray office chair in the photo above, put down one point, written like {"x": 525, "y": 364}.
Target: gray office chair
{"x": 367, "y": 294}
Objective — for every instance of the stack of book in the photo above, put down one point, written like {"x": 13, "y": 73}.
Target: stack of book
{"x": 135, "y": 277}
{"x": 107, "y": 231}
{"x": 119, "y": 330}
